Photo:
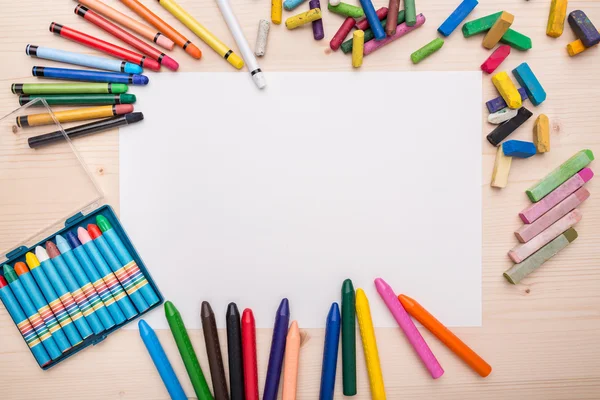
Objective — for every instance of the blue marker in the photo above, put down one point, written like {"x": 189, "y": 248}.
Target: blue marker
{"x": 457, "y": 16}
{"x": 82, "y": 59}
{"x": 89, "y": 76}
{"x": 530, "y": 83}
{"x": 519, "y": 149}
{"x": 282, "y": 320}
{"x": 330, "y": 353}
{"x": 371, "y": 14}
{"x": 161, "y": 362}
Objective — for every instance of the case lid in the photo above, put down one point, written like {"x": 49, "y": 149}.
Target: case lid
{"x": 40, "y": 189}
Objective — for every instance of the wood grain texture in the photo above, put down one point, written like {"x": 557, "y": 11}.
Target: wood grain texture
{"x": 541, "y": 336}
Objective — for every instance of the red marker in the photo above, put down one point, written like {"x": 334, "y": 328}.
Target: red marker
{"x": 126, "y": 37}
{"x": 249, "y": 354}
{"x": 105, "y": 47}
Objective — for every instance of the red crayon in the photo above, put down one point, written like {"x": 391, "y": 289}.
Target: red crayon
{"x": 126, "y": 37}
{"x": 341, "y": 34}
{"x": 495, "y": 59}
{"x": 105, "y": 47}
{"x": 364, "y": 23}
{"x": 249, "y": 354}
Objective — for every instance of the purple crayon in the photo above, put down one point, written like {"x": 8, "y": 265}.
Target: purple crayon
{"x": 317, "y": 26}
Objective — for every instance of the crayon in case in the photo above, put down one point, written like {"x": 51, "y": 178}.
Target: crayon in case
{"x": 82, "y": 278}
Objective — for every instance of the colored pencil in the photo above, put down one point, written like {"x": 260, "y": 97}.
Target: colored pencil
{"x": 213, "y": 351}
{"x": 290, "y": 366}
{"x": 278, "y": 343}
{"x": 369, "y": 342}
{"x": 89, "y": 76}
{"x": 77, "y": 114}
{"x": 330, "y": 353}
{"x": 348, "y": 338}
{"x": 234, "y": 352}
{"x": 249, "y": 353}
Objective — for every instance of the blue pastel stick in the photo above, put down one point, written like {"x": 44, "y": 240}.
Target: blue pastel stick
{"x": 457, "y": 16}
{"x": 161, "y": 362}
{"x": 583, "y": 28}
{"x": 371, "y": 14}
{"x": 291, "y": 4}
{"x": 519, "y": 149}
{"x": 84, "y": 60}
{"x": 498, "y": 103}
{"x": 330, "y": 353}
{"x": 530, "y": 83}
{"x": 84, "y": 282}
{"x": 280, "y": 330}
{"x": 18, "y": 316}
{"x": 89, "y": 76}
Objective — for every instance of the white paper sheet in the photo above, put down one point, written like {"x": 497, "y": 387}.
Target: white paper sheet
{"x": 233, "y": 194}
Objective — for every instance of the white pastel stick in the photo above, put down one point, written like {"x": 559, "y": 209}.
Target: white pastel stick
{"x": 261, "y": 37}
{"x": 502, "y": 116}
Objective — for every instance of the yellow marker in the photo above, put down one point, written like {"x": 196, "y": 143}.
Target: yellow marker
{"x": 498, "y": 30}
{"x": 576, "y": 47}
{"x": 358, "y": 45}
{"x": 202, "y": 33}
{"x": 541, "y": 134}
{"x": 276, "y": 10}
{"x": 507, "y": 90}
{"x": 367, "y": 334}
{"x": 556, "y": 19}
{"x": 303, "y": 18}
{"x": 501, "y": 169}
{"x": 77, "y": 114}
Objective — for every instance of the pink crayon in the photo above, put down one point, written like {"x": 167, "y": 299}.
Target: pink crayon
{"x": 538, "y": 209}
{"x": 401, "y": 30}
{"x": 408, "y": 327}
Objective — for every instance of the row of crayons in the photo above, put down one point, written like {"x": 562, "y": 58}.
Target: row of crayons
{"x": 84, "y": 285}
{"x": 285, "y": 348}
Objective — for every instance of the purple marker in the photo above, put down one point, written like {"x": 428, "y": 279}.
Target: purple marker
{"x": 317, "y": 26}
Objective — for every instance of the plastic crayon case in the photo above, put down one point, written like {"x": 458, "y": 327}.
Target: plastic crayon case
{"x": 93, "y": 279}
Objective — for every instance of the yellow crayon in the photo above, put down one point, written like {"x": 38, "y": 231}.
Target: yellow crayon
{"x": 358, "y": 45}
{"x": 501, "y": 169}
{"x": 276, "y": 10}
{"x": 576, "y": 47}
{"x": 185, "y": 18}
{"x": 541, "y": 133}
{"x": 507, "y": 90}
{"x": 77, "y": 114}
{"x": 498, "y": 30}
{"x": 367, "y": 334}
{"x": 303, "y": 18}
{"x": 556, "y": 18}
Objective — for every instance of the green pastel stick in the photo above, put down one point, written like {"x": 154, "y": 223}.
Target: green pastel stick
{"x": 516, "y": 40}
{"x": 480, "y": 25}
{"x": 347, "y": 10}
{"x": 79, "y": 99}
{"x": 560, "y": 175}
{"x": 369, "y": 35}
{"x": 411, "y": 12}
{"x": 426, "y": 50}
{"x": 348, "y": 338}
{"x": 68, "y": 88}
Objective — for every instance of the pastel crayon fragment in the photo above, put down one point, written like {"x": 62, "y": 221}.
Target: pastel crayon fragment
{"x": 364, "y": 23}
{"x": 528, "y": 80}
{"x": 402, "y": 30}
{"x": 317, "y": 26}
{"x": 522, "y": 251}
{"x": 347, "y": 10}
{"x": 501, "y": 116}
{"x": 276, "y": 11}
{"x": 516, "y": 40}
{"x": 411, "y": 12}
{"x": 536, "y": 210}
{"x": 369, "y": 35}
{"x": 583, "y": 28}
{"x": 498, "y": 30}
{"x": 427, "y": 50}
{"x": 556, "y": 18}
{"x": 576, "y": 47}
{"x": 529, "y": 231}
{"x": 495, "y": 59}
{"x": 334, "y": 2}
{"x": 541, "y": 133}
{"x": 480, "y": 25}
{"x": 498, "y": 103}
{"x": 358, "y": 40}
{"x": 374, "y": 16}
{"x": 340, "y": 35}
{"x": 519, "y": 149}
{"x": 458, "y": 15}
{"x": 560, "y": 175}
{"x": 502, "y": 131}
{"x": 261, "y": 38}
{"x": 501, "y": 169}
{"x": 507, "y": 90}
{"x": 303, "y": 18}
{"x": 289, "y": 5}
{"x": 518, "y": 272}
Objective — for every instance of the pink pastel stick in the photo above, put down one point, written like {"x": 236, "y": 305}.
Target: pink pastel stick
{"x": 521, "y": 251}
{"x": 401, "y": 30}
{"x": 408, "y": 327}
{"x": 538, "y": 209}
{"x": 528, "y": 232}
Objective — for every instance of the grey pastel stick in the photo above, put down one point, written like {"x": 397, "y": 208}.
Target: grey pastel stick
{"x": 261, "y": 37}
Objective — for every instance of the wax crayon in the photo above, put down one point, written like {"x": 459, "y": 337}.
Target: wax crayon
{"x": 161, "y": 362}
{"x": 290, "y": 362}
{"x": 426, "y": 50}
{"x": 503, "y": 130}
{"x": 276, "y": 11}
{"x": 81, "y": 59}
{"x": 480, "y": 25}
{"x": 498, "y": 103}
{"x": 507, "y": 90}
{"x": 364, "y": 24}
{"x": 458, "y": 15}
{"x": 348, "y": 338}
{"x": 501, "y": 169}
{"x": 77, "y": 114}
{"x": 289, "y": 5}
{"x": 68, "y": 88}
{"x": 390, "y": 26}
{"x": 411, "y": 12}
{"x": 249, "y": 352}
{"x": 32, "y": 315}
{"x": 127, "y": 281}
{"x": 303, "y": 18}
{"x": 516, "y": 40}
{"x": 330, "y": 353}
{"x": 47, "y": 273}
{"x": 358, "y": 45}
{"x": 495, "y": 59}
{"x": 556, "y": 18}
{"x": 583, "y": 28}
{"x": 346, "y": 10}
{"x": 113, "y": 239}
{"x": 373, "y": 18}
{"x": 261, "y": 38}
{"x": 541, "y": 133}
{"x": 367, "y": 334}
{"x": 402, "y": 30}
{"x": 498, "y": 30}
{"x": 317, "y": 26}
{"x": 78, "y": 99}
{"x": 83, "y": 280}
{"x": 186, "y": 350}
{"x": 85, "y": 75}
{"x": 18, "y": 316}
{"x": 502, "y": 116}
{"x": 234, "y": 352}
{"x": 213, "y": 351}
{"x": 342, "y": 32}
{"x": 518, "y": 149}
{"x": 526, "y": 78}
{"x": 108, "y": 277}
{"x": 282, "y": 320}
{"x": 369, "y": 35}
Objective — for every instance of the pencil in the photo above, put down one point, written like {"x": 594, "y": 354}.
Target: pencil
{"x": 367, "y": 334}
{"x": 213, "y": 351}
{"x": 290, "y": 363}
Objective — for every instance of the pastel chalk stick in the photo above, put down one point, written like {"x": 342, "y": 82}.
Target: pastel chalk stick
{"x": 502, "y": 116}
{"x": 518, "y": 272}
{"x": 560, "y": 175}
{"x": 514, "y": 39}
{"x": 401, "y": 30}
{"x": 576, "y": 47}
{"x": 529, "y": 81}
{"x": 495, "y": 59}
{"x": 536, "y": 210}
{"x": 501, "y": 169}
{"x": 519, "y": 149}
{"x": 458, "y": 15}
{"x": 556, "y": 18}
{"x": 522, "y": 251}
{"x": 507, "y": 90}
{"x": 541, "y": 133}
{"x": 583, "y": 28}
{"x": 498, "y": 103}
{"x": 498, "y": 30}
{"x": 502, "y": 131}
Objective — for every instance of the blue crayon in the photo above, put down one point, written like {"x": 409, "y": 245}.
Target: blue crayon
{"x": 92, "y": 273}
{"x": 18, "y": 316}
{"x": 89, "y": 76}
{"x": 330, "y": 353}
{"x": 84, "y": 282}
{"x": 498, "y": 103}
{"x": 519, "y": 149}
{"x": 457, "y": 16}
{"x": 371, "y": 14}
{"x": 161, "y": 362}
{"x": 280, "y": 330}
{"x": 530, "y": 83}
{"x": 84, "y": 60}
{"x": 291, "y": 4}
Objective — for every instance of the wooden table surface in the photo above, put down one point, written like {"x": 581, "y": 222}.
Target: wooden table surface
{"x": 541, "y": 337}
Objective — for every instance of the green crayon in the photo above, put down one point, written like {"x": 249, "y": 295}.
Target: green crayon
{"x": 369, "y": 35}
{"x": 68, "y": 88}
{"x": 411, "y": 12}
{"x": 348, "y": 338}
{"x": 426, "y": 50}
{"x": 347, "y": 10}
{"x": 79, "y": 99}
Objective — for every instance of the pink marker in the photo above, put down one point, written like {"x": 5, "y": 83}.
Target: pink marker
{"x": 401, "y": 30}
{"x": 408, "y": 327}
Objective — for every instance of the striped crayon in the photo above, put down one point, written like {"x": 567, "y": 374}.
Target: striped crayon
{"x": 85, "y": 297}
{"x": 84, "y": 282}
{"x": 128, "y": 282}
{"x": 127, "y": 260}
{"x": 92, "y": 273}
{"x": 36, "y": 321}
{"x": 108, "y": 277}
{"x": 48, "y": 273}
{"x": 21, "y": 321}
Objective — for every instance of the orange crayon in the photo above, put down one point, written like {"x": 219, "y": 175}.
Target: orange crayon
{"x": 290, "y": 368}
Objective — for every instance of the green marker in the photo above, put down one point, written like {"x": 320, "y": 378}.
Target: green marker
{"x": 188, "y": 355}
{"x": 348, "y": 338}
{"x": 79, "y": 99}
{"x": 68, "y": 88}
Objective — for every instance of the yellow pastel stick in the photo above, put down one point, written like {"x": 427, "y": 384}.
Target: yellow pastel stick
{"x": 77, "y": 114}
{"x": 556, "y": 18}
{"x": 358, "y": 45}
{"x": 185, "y": 18}
{"x": 541, "y": 133}
{"x": 276, "y": 10}
{"x": 576, "y": 47}
{"x": 498, "y": 30}
{"x": 303, "y": 18}
{"x": 501, "y": 169}
{"x": 367, "y": 334}
{"x": 507, "y": 90}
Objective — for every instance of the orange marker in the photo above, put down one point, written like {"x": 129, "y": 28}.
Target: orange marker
{"x": 163, "y": 27}
{"x": 448, "y": 338}
{"x": 290, "y": 368}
